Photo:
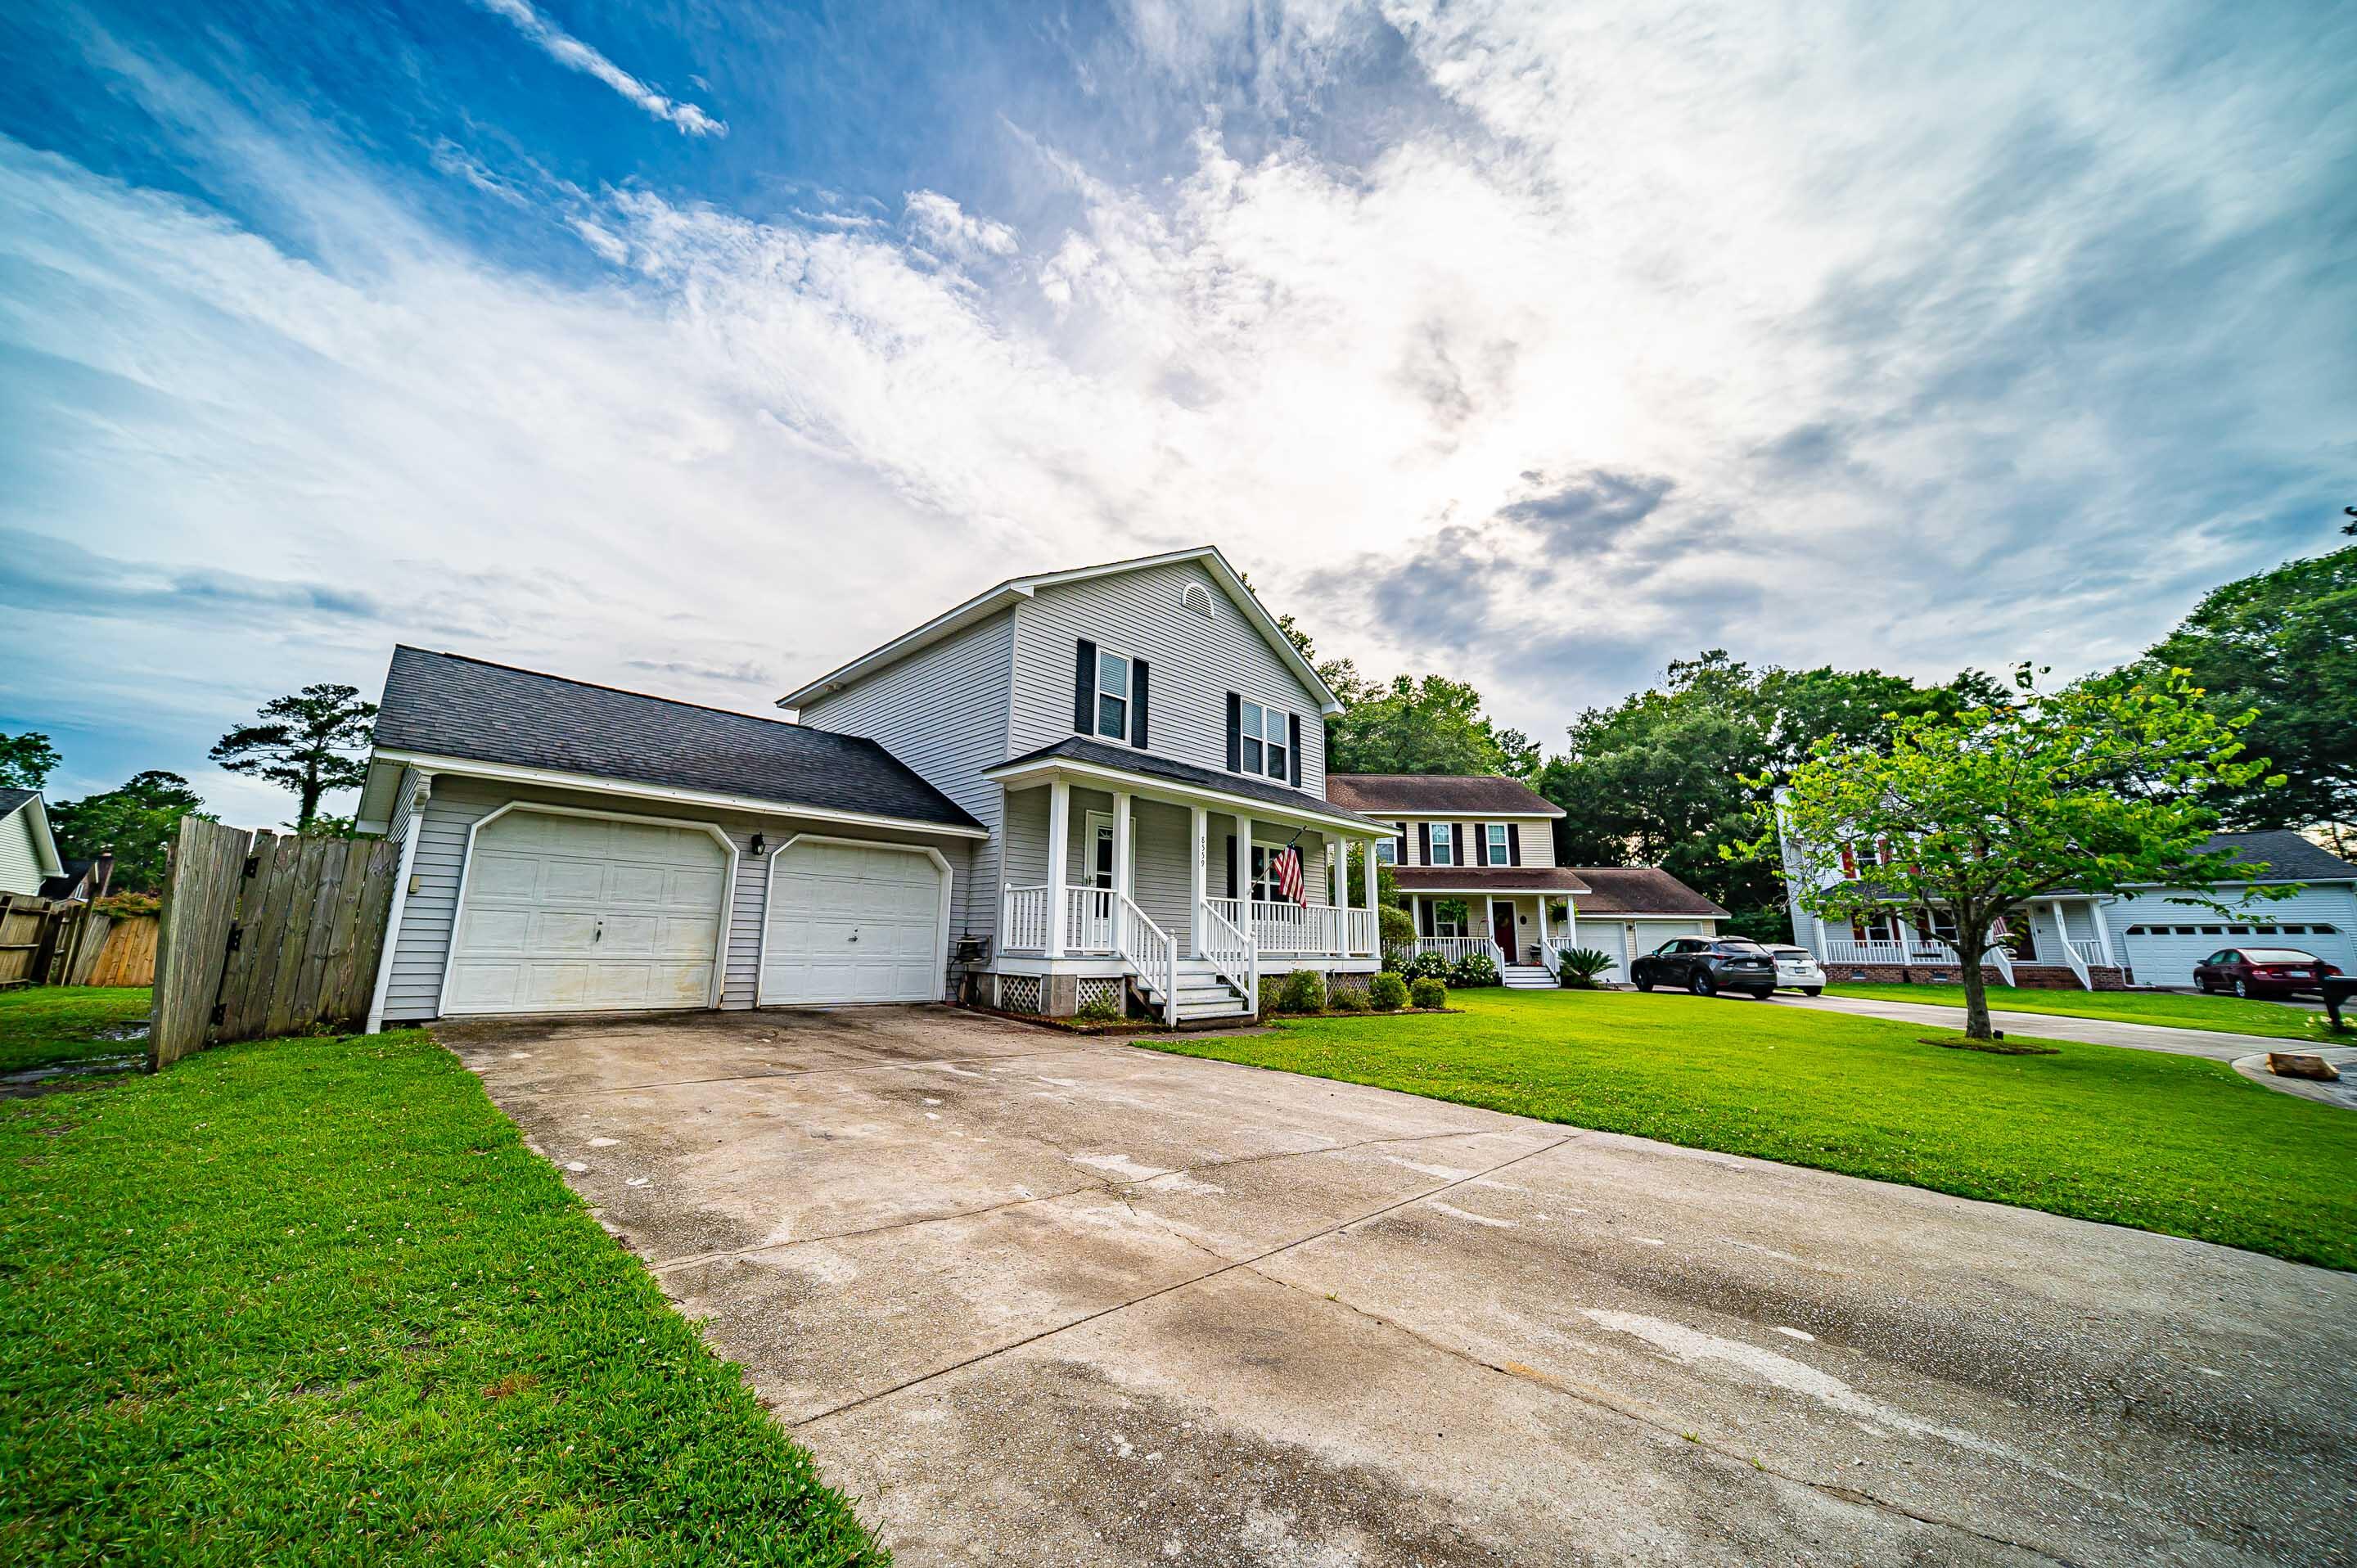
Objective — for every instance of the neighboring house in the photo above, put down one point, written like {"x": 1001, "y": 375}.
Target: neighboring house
{"x": 81, "y": 880}
{"x": 1074, "y": 785}
{"x": 2143, "y": 936}
{"x": 1474, "y": 859}
{"x": 28, "y": 851}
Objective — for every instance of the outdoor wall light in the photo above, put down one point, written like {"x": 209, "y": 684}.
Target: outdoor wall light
{"x": 756, "y": 844}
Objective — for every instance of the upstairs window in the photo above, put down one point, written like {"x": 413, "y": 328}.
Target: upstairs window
{"x": 1265, "y": 734}
{"x": 1444, "y": 845}
{"x": 1498, "y": 853}
{"x": 1113, "y": 695}
{"x": 1386, "y": 851}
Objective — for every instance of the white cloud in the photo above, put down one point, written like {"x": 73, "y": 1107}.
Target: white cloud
{"x": 574, "y": 55}
{"x": 941, "y": 222}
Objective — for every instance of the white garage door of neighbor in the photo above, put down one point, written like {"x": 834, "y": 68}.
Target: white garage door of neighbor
{"x": 852, "y": 922}
{"x": 2162, "y": 956}
{"x": 567, "y": 913}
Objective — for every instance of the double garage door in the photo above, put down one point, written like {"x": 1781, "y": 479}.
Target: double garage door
{"x": 1606, "y": 934}
{"x": 566, "y": 912}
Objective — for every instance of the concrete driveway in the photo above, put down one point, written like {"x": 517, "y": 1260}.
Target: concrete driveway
{"x": 1038, "y": 1299}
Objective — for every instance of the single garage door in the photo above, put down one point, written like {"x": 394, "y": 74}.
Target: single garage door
{"x": 2165, "y": 955}
{"x": 852, "y": 922}
{"x": 564, "y": 913}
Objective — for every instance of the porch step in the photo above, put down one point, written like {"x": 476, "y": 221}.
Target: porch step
{"x": 1527, "y": 977}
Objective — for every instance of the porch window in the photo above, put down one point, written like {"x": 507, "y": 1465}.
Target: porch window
{"x": 1444, "y": 848}
{"x": 1499, "y": 855}
{"x": 1112, "y": 696}
{"x": 1449, "y": 917}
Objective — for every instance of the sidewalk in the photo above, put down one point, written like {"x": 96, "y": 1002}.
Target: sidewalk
{"x": 2057, "y": 1026}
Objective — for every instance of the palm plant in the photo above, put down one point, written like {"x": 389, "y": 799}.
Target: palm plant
{"x": 1578, "y": 967}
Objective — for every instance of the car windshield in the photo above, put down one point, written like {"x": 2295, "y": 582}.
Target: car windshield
{"x": 2278, "y": 955}
{"x": 1740, "y": 947}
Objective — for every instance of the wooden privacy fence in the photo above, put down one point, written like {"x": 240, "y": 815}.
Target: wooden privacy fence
{"x": 51, "y": 942}
{"x": 266, "y": 934}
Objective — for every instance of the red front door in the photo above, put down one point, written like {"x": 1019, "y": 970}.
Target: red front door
{"x": 1501, "y": 928}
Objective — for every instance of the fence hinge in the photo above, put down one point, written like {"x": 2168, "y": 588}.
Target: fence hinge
{"x": 220, "y": 1012}
{"x": 236, "y": 935}
{"x": 252, "y": 863}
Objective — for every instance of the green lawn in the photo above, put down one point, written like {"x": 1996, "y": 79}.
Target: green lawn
{"x": 2226, "y": 1015}
{"x": 312, "y": 1301}
{"x": 2164, "y": 1142}
{"x": 41, "y": 1025}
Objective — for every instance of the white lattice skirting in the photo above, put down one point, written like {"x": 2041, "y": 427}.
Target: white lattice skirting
{"x": 1016, "y": 992}
{"x": 1109, "y": 992}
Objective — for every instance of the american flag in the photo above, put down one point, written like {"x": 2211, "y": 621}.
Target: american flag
{"x": 1288, "y": 876}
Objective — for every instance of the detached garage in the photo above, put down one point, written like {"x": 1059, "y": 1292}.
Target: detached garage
{"x": 571, "y": 848}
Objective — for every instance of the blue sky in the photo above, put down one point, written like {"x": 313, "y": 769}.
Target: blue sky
{"x": 695, "y": 347}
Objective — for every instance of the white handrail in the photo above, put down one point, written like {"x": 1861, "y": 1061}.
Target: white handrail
{"x": 2070, "y": 956}
{"x": 1149, "y": 950}
{"x": 1026, "y": 920}
{"x": 1232, "y": 951}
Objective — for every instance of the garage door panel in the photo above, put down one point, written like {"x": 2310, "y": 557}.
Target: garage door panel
{"x": 564, "y": 913}
{"x": 851, "y": 923}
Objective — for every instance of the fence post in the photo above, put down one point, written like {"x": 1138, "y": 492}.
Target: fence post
{"x": 200, "y": 893}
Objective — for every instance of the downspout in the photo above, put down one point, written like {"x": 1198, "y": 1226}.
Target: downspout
{"x": 410, "y": 835}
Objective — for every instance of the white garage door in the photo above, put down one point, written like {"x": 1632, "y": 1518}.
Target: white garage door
{"x": 570, "y": 914}
{"x": 2165, "y": 955}
{"x": 850, "y": 922}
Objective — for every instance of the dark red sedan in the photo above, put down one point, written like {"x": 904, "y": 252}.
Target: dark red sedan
{"x": 2262, "y": 972}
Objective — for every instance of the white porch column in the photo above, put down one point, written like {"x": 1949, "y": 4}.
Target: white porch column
{"x": 1372, "y": 889}
{"x": 1415, "y": 911}
{"x": 1124, "y": 873}
{"x": 1571, "y": 922}
{"x": 1196, "y": 865}
{"x": 1242, "y": 862}
{"x": 1546, "y": 939}
{"x": 2102, "y": 931}
{"x": 1337, "y": 876}
{"x": 1059, "y": 820}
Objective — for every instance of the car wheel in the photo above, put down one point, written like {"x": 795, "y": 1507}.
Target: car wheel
{"x": 1813, "y": 991}
{"x": 1700, "y": 983}
{"x": 2243, "y": 989}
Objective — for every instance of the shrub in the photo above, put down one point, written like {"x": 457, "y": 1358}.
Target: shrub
{"x": 1474, "y": 969}
{"x": 1100, "y": 1010}
{"x": 1395, "y": 960}
{"x": 1388, "y": 993}
{"x": 1427, "y": 966}
{"x": 1272, "y": 994}
{"x": 1304, "y": 992}
{"x": 1347, "y": 999}
{"x": 1581, "y": 966}
{"x": 1428, "y": 992}
{"x": 1398, "y": 930}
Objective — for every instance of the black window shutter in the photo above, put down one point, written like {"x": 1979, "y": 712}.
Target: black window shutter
{"x": 1137, "y": 703}
{"x": 1423, "y": 917}
{"x": 1232, "y": 857}
{"x": 1293, "y": 747}
{"x": 1235, "y": 742}
{"x": 1399, "y": 850}
{"x": 1481, "y": 856}
{"x": 1513, "y": 844}
{"x": 1084, "y": 687}
{"x": 1424, "y": 846}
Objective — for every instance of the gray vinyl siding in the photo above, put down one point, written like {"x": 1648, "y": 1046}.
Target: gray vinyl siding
{"x": 1538, "y": 837}
{"x": 20, "y": 853}
{"x": 1195, "y": 664}
{"x": 455, "y": 804}
{"x": 943, "y": 713}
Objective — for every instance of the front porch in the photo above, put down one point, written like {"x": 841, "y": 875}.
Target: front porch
{"x": 2064, "y": 943}
{"x": 1172, "y": 889}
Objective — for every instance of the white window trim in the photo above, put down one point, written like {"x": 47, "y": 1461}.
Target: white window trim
{"x": 1498, "y": 842}
{"x": 769, "y": 885}
{"x": 1449, "y": 831}
{"x": 1284, "y": 717}
{"x": 727, "y": 888}
{"x": 1127, "y": 699}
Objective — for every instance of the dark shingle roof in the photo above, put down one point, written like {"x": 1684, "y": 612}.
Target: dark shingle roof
{"x": 451, "y": 705}
{"x": 1450, "y": 794}
{"x": 2286, "y": 855}
{"x": 1080, "y": 749}
{"x": 1641, "y": 890}
{"x": 12, "y": 799}
{"x": 1488, "y": 879}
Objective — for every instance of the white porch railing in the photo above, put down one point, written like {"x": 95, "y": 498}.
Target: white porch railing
{"x": 1453, "y": 948}
{"x": 1150, "y": 952}
{"x": 1025, "y": 921}
{"x": 1230, "y": 951}
{"x": 1915, "y": 949}
{"x": 2077, "y": 961}
{"x": 2089, "y": 949}
{"x": 1282, "y": 927}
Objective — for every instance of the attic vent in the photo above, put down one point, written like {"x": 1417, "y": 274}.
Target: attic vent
{"x": 1197, "y": 598}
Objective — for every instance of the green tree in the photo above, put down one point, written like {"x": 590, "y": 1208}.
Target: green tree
{"x": 1424, "y": 724}
{"x": 1980, "y": 811}
{"x": 2283, "y": 644}
{"x": 27, "y": 760}
{"x": 310, "y": 743}
{"x": 137, "y": 821}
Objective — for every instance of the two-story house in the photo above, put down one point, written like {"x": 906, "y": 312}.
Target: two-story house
{"x": 2145, "y": 935}
{"x": 1074, "y": 786}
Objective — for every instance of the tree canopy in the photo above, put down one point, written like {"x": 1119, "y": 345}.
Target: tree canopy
{"x": 309, "y": 743}
{"x": 138, "y": 822}
{"x": 2282, "y": 645}
{"x": 2094, "y": 787}
{"x": 27, "y": 760}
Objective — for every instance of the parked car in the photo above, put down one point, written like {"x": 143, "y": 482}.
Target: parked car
{"x": 2262, "y": 972}
{"x": 1797, "y": 970}
{"x": 1707, "y": 965}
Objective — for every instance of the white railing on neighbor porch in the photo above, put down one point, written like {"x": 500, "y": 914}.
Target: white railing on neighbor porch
{"x": 1915, "y": 949}
{"x": 1282, "y": 927}
{"x": 1453, "y": 948}
{"x": 1231, "y": 951}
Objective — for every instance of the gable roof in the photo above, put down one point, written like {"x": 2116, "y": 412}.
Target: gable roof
{"x": 446, "y": 704}
{"x": 12, "y": 799}
{"x": 1447, "y": 794}
{"x": 2288, "y": 856}
{"x": 1641, "y": 890}
{"x": 1014, "y": 590}
{"x": 45, "y": 843}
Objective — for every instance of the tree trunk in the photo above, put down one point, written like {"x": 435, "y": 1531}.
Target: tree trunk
{"x": 1971, "y": 946}
{"x": 309, "y": 808}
